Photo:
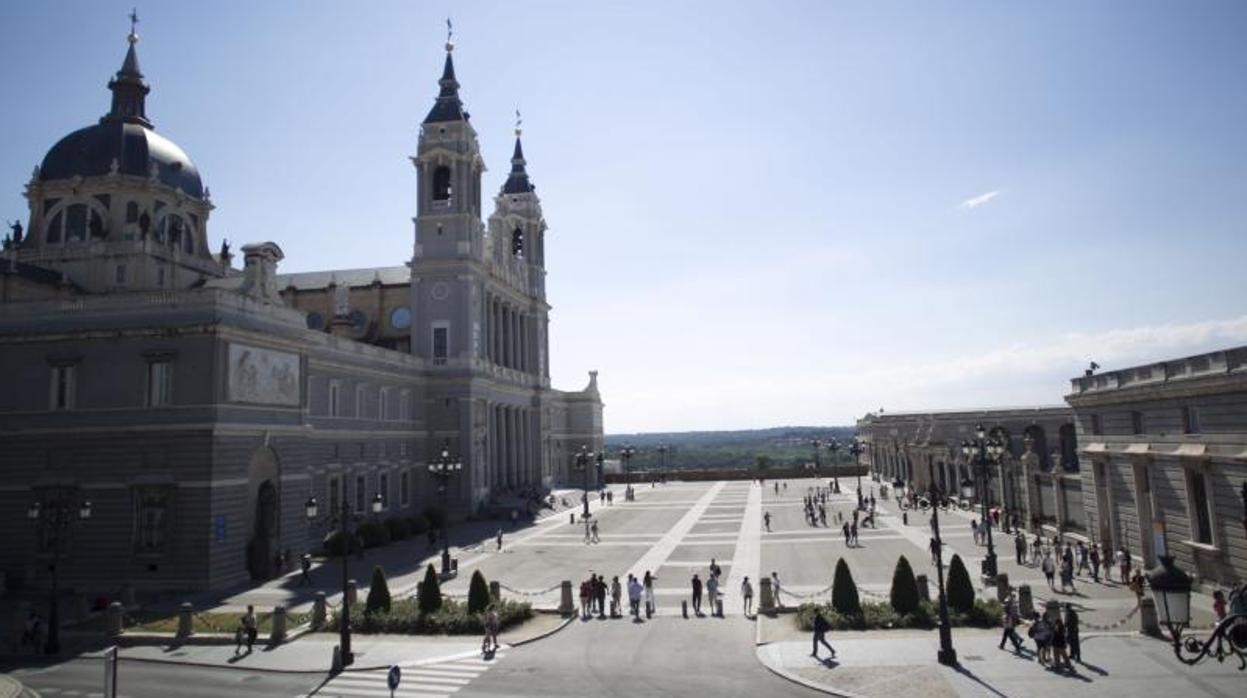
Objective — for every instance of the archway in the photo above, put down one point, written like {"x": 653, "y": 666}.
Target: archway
{"x": 264, "y": 514}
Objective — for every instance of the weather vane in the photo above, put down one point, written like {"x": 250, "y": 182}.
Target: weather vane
{"x": 518, "y": 121}
{"x": 450, "y": 32}
{"x": 134, "y": 21}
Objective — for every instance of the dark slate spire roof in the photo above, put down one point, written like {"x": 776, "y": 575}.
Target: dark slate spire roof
{"x": 129, "y": 90}
{"x": 448, "y": 106}
{"x": 517, "y": 182}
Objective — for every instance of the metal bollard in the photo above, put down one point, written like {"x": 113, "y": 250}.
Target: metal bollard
{"x": 684, "y": 608}
{"x": 318, "y": 611}
{"x": 184, "y": 621}
{"x": 565, "y": 603}
{"x": 766, "y": 597}
{"x": 1002, "y": 587}
{"x": 114, "y": 616}
{"x": 1026, "y": 604}
{"x": 336, "y": 667}
{"x": 495, "y": 591}
{"x": 352, "y": 592}
{"x": 573, "y": 519}
{"x": 279, "y": 625}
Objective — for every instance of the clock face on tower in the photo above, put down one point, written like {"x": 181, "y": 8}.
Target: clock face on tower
{"x": 400, "y": 318}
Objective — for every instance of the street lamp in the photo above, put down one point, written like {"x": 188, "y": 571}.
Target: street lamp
{"x": 341, "y": 519}
{"x": 980, "y": 453}
{"x": 946, "y": 655}
{"x": 855, "y": 450}
{"x": 442, "y": 468}
{"x": 1171, "y": 592}
{"x": 662, "y": 454}
{"x": 56, "y": 515}
{"x": 832, "y": 447}
{"x": 582, "y": 464}
{"x": 817, "y": 444}
{"x": 625, "y": 455}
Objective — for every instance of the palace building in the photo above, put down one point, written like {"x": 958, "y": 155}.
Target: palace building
{"x": 198, "y": 406}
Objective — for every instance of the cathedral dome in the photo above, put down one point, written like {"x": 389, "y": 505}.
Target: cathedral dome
{"x": 129, "y": 148}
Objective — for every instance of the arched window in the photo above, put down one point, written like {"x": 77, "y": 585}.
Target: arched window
{"x": 174, "y": 231}
{"x": 132, "y": 212}
{"x": 517, "y": 243}
{"x": 1040, "y": 445}
{"x": 53, "y": 234}
{"x": 441, "y": 183}
{"x": 76, "y": 223}
{"x": 1069, "y": 448}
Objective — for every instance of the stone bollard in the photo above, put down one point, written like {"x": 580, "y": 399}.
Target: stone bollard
{"x": 565, "y": 603}
{"x": 1148, "y": 623}
{"x": 279, "y": 625}
{"x": 336, "y": 667}
{"x": 115, "y": 613}
{"x": 318, "y": 611}
{"x": 185, "y": 621}
{"x": 684, "y": 608}
{"x": 1026, "y": 604}
{"x": 1052, "y": 610}
{"x": 352, "y": 592}
{"x": 766, "y": 598}
{"x": 924, "y": 587}
{"x": 1002, "y": 587}
{"x": 495, "y": 591}
{"x": 573, "y": 519}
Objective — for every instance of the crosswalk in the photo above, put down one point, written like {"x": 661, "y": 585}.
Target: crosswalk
{"x": 426, "y": 681}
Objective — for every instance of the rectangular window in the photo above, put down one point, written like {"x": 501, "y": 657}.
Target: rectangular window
{"x": 383, "y": 487}
{"x": 335, "y": 492}
{"x": 61, "y": 388}
{"x": 361, "y": 494}
{"x": 1190, "y": 419}
{"x": 1136, "y": 422}
{"x": 404, "y": 406}
{"x": 1201, "y": 521}
{"x": 359, "y": 401}
{"x": 150, "y": 516}
{"x": 159, "y": 383}
{"x": 335, "y": 390}
{"x": 1095, "y": 425}
{"x": 120, "y": 276}
{"x": 404, "y": 492}
{"x": 383, "y": 399}
{"x": 441, "y": 344}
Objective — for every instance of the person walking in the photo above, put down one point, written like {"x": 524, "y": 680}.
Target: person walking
{"x": 1072, "y": 633}
{"x": 845, "y": 530}
{"x": 853, "y": 531}
{"x": 489, "y": 644}
{"x": 696, "y": 595}
{"x": 1067, "y": 574}
{"x": 1009, "y": 621}
{"x": 974, "y": 531}
{"x": 1218, "y": 605}
{"x": 934, "y": 547}
{"x": 1094, "y": 557}
{"x": 600, "y": 596}
{"x": 1081, "y": 554}
{"x": 305, "y": 564}
{"x": 766, "y": 519}
{"x": 746, "y": 592}
{"x": 248, "y": 630}
{"x": 775, "y": 590}
{"x": 616, "y": 593}
{"x": 634, "y": 598}
{"x": 1049, "y": 570}
{"x": 585, "y": 587}
{"x": 594, "y": 529}
{"x": 822, "y": 515}
{"x": 1060, "y": 657}
{"x": 588, "y": 531}
{"x": 821, "y": 626}
{"x": 712, "y": 594}
{"x": 1019, "y": 547}
{"x": 649, "y": 594}
{"x": 715, "y": 569}
{"x": 1041, "y": 632}
{"x": 1123, "y": 565}
{"x": 498, "y": 538}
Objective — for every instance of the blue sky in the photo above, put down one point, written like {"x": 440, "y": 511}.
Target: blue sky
{"x": 760, "y": 214}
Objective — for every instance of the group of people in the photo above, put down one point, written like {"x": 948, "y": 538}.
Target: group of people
{"x": 595, "y": 591}
{"x": 711, "y": 588}
{"x": 1057, "y": 643}
{"x": 1069, "y": 560}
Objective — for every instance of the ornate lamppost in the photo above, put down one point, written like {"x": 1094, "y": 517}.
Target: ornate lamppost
{"x": 342, "y": 519}
{"x": 832, "y": 447}
{"x": 662, "y": 454}
{"x": 946, "y": 655}
{"x": 442, "y": 468}
{"x": 981, "y": 452}
{"x": 582, "y": 464}
{"x": 855, "y": 450}
{"x": 1171, "y": 591}
{"x": 817, "y": 445}
{"x": 54, "y": 516}
{"x": 625, "y": 455}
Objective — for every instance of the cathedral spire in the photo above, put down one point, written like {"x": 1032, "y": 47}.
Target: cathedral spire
{"x": 129, "y": 90}
{"x": 448, "y": 106}
{"x": 517, "y": 181}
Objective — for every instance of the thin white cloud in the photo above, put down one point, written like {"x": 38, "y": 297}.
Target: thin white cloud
{"x": 976, "y": 201}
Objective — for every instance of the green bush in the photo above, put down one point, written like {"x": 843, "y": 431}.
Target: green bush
{"x": 430, "y": 594}
{"x": 333, "y": 544}
{"x": 374, "y": 534}
{"x": 478, "y": 593}
{"x": 960, "y": 588}
{"x": 453, "y": 618}
{"x": 844, "y": 591}
{"x": 378, "y": 593}
{"x": 435, "y": 516}
{"x": 904, "y": 594}
{"x": 399, "y": 528}
{"x": 418, "y": 525}
{"x": 881, "y": 615}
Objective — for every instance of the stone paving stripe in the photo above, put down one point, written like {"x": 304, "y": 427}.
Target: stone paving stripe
{"x": 654, "y": 557}
{"x": 747, "y": 557}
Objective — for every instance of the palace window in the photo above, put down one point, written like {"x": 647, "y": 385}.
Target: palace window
{"x": 61, "y": 388}
{"x": 1096, "y": 429}
{"x": 359, "y": 401}
{"x": 383, "y": 404}
{"x": 159, "y": 382}
{"x": 1190, "y": 419}
{"x": 1136, "y": 422}
{"x": 441, "y": 343}
{"x": 1201, "y": 516}
{"x": 404, "y": 489}
{"x": 335, "y": 390}
{"x": 151, "y": 507}
{"x": 383, "y": 488}
{"x": 361, "y": 493}
{"x": 517, "y": 243}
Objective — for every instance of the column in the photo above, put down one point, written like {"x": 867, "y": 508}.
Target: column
{"x": 528, "y": 446}
{"x": 508, "y": 417}
{"x": 492, "y": 463}
{"x": 523, "y": 339}
{"x": 497, "y": 340}
{"x": 485, "y": 326}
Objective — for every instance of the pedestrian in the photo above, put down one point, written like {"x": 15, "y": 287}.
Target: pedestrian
{"x": 1060, "y": 657}
{"x": 1082, "y": 558}
{"x": 696, "y": 595}
{"x": 305, "y": 564}
{"x": 1067, "y": 574}
{"x": 588, "y": 531}
{"x": 649, "y": 594}
{"x": 712, "y": 594}
{"x": 1036, "y": 550}
{"x": 616, "y": 592}
{"x": 715, "y": 569}
{"x": 1218, "y": 604}
{"x": 821, "y": 626}
{"x": 634, "y": 598}
{"x": 1041, "y": 632}
{"x": 974, "y": 531}
{"x": 746, "y": 592}
{"x": 766, "y": 519}
{"x": 1072, "y": 633}
{"x": 1049, "y": 570}
{"x": 1009, "y": 621}
{"x": 596, "y": 537}
{"x": 1136, "y": 585}
{"x": 610, "y": 498}
{"x": 845, "y": 530}
{"x": 1094, "y": 556}
{"x": 247, "y": 630}
{"x": 853, "y": 532}
{"x": 498, "y": 539}
{"x": 822, "y": 515}
{"x": 934, "y": 547}
{"x": 775, "y": 590}
{"x": 585, "y": 587}
{"x": 489, "y": 644}
{"x": 1123, "y": 565}
{"x": 1019, "y": 547}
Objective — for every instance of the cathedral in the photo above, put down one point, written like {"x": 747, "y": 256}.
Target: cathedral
{"x": 197, "y": 407}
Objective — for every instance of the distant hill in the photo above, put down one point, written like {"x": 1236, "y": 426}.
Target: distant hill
{"x": 730, "y": 449}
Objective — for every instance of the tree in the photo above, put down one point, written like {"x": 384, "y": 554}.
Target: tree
{"x": 763, "y": 463}
{"x": 844, "y": 591}
{"x": 478, "y": 593}
{"x": 904, "y": 595}
{"x": 378, "y": 593}
{"x": 960, "y": 588}
{"x": 430, "y": 597}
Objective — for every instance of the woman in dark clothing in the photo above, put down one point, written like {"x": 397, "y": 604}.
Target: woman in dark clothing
{"x": 1060, "y": 658}
{"x": 1071, "y": 633}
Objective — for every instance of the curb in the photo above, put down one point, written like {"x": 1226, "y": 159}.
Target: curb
{"x": 541, "y": 636}
{"x": 793, "y": 678}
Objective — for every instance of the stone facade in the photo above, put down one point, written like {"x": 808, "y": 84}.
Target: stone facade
{"x": 198, "y": 406}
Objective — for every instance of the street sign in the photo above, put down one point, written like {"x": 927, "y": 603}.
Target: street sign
{"x": 110, "y": 672}
{"x": 394, "y": 677}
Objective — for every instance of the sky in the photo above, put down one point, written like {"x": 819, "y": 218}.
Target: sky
{"x": 760, "y": 214}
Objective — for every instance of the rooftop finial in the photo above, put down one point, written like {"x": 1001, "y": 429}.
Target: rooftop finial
{"x": 134, "y": 21}
{"x": 518, "y": 122}
{"x": 450, "y": 32}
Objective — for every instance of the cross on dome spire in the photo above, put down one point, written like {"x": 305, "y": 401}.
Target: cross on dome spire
{"x": 129, "y": 90}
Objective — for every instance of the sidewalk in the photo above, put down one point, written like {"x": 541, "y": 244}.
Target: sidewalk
{"x": 883, "y": 664}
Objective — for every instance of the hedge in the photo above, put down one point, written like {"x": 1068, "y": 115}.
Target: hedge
{"x": 453, "y": 618}
{"x": 880, "y": 615}
{"x": 378, "y": 593}
{"x": 374, "y": 534}
{"x": 399, "y": 528}
{"x": 960, "y": 588}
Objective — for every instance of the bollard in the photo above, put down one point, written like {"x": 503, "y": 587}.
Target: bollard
{"x": 112, "y": 628}
{"x": 336, "y": 666}
{"x": 1026, "y": 605}
{"x": 766, "y": 599}
{"x": 184, "y": 620}
{"x": 1148, "y": 623}
{"x": 905, "y": 518}
{"x": 573, "y": 520}
{"x": 279, "y": 625}
{"x": 684, "y": 608}
{"x": 565, "y": 603}
{"x": 318, "y": 611}
{"x": 352, "y": 592}
{"x": 1002, "y": 587}
{"x": 924, "y": 587}
{"x": 1052, "y": 610}
{"x": 495, "y": 591}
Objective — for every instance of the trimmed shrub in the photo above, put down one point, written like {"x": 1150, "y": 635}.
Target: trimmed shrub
{"x": 904, "y": 594}
{"x": 435, "y": 516}
{"x": 877, "y": 615}
{"x": 399, "y": 528}
{"x": 453, "y": 618}
{"x": 478, "y": 593}
{"x": 960, "y": 588}
{"x": 430, "y": 595}
{"x": 378, "y": 593}
{"x": 374, "y": 534}
{"x": 333, "y": 544}
{"x": 418, "y": 525}
{"x": 844, "y": 591}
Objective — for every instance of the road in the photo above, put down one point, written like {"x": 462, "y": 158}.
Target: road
{"x": 84, "y": 678}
